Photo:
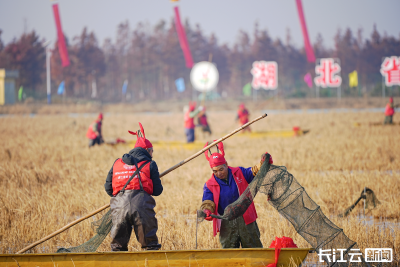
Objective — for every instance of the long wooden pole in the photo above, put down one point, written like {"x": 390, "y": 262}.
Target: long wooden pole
{"x": 161, "y": 175}
{"x": 211, "y": 145}
{"x": 63, "y": 229}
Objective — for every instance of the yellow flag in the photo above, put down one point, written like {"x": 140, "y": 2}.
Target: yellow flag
{"x": 353, "y": 79}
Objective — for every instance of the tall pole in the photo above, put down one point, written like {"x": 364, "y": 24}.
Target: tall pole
{"x": 48, "y": 75}
{"x": 383, "y": 81}
{"x": 383, "y": 86}
{"x": 340, "y": 86}
{"x": 316, "y": 86}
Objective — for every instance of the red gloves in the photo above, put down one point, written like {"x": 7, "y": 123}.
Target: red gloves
{"x": 208, "y": 215}
{"x": 264, "y": 156}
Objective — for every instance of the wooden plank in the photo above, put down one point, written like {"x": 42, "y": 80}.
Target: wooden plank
{"x": 213, "y": 258}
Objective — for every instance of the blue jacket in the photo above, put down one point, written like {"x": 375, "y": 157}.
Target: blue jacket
{"x": 229, "y": 192}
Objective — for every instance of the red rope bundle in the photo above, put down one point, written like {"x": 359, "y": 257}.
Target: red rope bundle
{"x": 278, "y": 243}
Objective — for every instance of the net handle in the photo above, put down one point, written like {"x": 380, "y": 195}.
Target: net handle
{"x": 63, "y": 229}
{"x": 161, "y": 175}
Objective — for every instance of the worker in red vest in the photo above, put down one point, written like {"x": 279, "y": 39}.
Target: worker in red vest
{"x": 389, "y": 112}
{"x": 190, "y": 114}
{"x": 202, "y": 119}
{"x": 243, "y": 116}
{"x": 223, "y": 188}
{"x": 94, "y": 132}
{"x": 131, "y": 183}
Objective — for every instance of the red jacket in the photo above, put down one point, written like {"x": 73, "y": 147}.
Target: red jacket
{"x": 243, "y": 115}
{"x": 203, "y": 120}
{"x": 189, "y": 122}
{"x": 92, "y": 134}
{"x": 122, "y": 172}
{"x": 250, "y": 215}
{"x": 389, "y": 111}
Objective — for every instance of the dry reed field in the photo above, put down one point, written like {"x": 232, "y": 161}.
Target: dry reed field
{"x": 49, "y": 177}
{"x": 65, "y": 106}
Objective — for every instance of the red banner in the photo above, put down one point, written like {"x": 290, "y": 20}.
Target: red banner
{"x": 62, "y": 47}
{"x": 182, "y": 39}
{"x": 307, "y": 45}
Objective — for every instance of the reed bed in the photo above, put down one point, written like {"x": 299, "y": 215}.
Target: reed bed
{"x": 49, "y": 177}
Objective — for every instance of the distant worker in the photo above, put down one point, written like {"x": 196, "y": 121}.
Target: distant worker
{"x": 243, "y": 116}
{"x": 189, "y": 122}
{"x": 389, "y": 112}
{"x": 203, "y": 123}
{"x": 131, "y": 183}
{"x": 223, "y": 188}
{"x": 94, "y": 132}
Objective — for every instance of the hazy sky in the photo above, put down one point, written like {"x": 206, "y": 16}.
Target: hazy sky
{"x": 223, "y": 17}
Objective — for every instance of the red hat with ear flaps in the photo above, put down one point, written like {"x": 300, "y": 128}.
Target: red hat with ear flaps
{"x": 192, "y": 106}
{"x": 141, "y": 140}
{"x": 216, "y": 159}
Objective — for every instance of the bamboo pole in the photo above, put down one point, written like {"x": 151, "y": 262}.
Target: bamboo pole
{"x": 63, "y": 229}
{"x": 211, "y": 145}
{"x": 161, "y": 175}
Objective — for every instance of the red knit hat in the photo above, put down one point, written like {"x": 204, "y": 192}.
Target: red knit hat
{"x": 391, "y": 99}
{"x": 216, "y": 159}
{"x": 141, "y": 140}
{"x": 100, "y": 117}
{"x": 192, "y": 106}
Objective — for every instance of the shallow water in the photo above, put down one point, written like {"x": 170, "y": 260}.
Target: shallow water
{"x": 381, "y": 223}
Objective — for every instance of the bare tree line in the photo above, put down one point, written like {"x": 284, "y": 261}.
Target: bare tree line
{"x": 150, "y": 59}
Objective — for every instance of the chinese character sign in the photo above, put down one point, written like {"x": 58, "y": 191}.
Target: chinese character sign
{"x": 390, "y": 69}
{"x": 327, "y": 71}
{"x": 265, "y": 75}
{"x": 355, "y": 255}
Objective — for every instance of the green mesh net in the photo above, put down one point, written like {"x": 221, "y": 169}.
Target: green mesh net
{"x": 291, "y": 200}
{"x": 101, "y": 227}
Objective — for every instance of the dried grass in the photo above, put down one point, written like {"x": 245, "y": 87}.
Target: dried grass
{"x": 70, "y": 105}
{"x": 49, "y": 177}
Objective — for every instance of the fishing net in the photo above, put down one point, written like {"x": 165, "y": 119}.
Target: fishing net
{"x": 371, "y": 201}
{"x": 101, "y": 227}
{"x": 290, "y": 199}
